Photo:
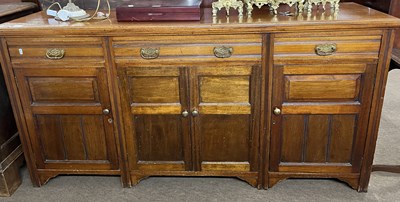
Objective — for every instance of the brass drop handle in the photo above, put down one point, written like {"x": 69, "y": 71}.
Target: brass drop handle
{"x": 325, "y": 49}
{"x": 277, "y": 111}
{"x": 185, "y": 113}
{"x": 106, "y": 111}
{"x": 223, "y": 52}
{"x": 195, "y": 113}
{"x": 149, "y": 53}
{"x": 55, "y": 53}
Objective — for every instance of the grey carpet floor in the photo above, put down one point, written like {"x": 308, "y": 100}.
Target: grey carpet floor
{"x": 382, "y": 187}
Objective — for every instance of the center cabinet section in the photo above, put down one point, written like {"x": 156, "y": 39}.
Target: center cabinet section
{"x": 191, "y": 104}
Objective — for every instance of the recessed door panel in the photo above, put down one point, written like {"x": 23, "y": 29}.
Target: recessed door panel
{"x": 156, "y": 125}
{"x": 319, "y": 117}
{"x": 322, "y": 87}
{"x": 224, "y": 105}
{"x": 72, "y": 120}
{"x": 159, "y": 137}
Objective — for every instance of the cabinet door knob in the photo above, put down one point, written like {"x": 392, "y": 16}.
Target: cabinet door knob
{"x": 195, "y": 112}
{"x": 277, "y": 111}
{"x": 106, "y": 111}
{"x": 55, "y": 53}
{"x": 185, "y": 113}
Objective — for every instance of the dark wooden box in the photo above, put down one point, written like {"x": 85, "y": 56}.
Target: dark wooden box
{"x": 159, "y": 10}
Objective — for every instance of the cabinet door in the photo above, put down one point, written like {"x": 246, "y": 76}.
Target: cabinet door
{"x": 320, "y": 117}
{"x": 64, "y": 113}
{"x": 225, "y": 113}
{"x": 157, "y": 130}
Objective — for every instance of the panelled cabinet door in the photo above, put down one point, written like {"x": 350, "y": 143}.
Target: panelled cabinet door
{"x": 320, "y": 114}
{"x": 156, "y": 118}
{"x": 69, "y": 117}
{"x": 224, "y": 109}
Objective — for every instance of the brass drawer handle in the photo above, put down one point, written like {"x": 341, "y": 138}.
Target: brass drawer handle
{"x": 223, "y": 52}
{"x": 55, "y": 53}
{"x": 149, "y": 53}
{"x": 325, "y": 49}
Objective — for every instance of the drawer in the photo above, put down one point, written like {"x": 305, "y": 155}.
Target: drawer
{"x": 327, "y": 46}
{"x": 226, "y": 47}
{"x": 26, "y": 52}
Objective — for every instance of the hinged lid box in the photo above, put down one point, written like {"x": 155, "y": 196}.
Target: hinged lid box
{"x": 159, "y": 10}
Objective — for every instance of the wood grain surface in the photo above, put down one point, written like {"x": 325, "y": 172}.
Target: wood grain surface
{"x": 271, "y": 109}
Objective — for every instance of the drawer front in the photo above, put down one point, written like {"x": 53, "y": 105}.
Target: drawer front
{"x": 56, "y": 52}
{"x": 327, "y": 46}
{"x": 200, "y": 48}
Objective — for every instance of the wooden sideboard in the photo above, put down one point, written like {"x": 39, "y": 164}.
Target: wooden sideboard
{"x": 261, "y": 98}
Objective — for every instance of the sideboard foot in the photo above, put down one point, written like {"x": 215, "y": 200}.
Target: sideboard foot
{"x": 253, "y": 181}
{"x": 135, "y": 179}
{"x": 275, "y": 180}
{"x": 352, "y": 182}
{"x": 351, "y": 179}
{"x": 45, "y": 177}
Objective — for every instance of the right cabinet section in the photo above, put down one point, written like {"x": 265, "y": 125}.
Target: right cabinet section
{"x": 321, "y": 98}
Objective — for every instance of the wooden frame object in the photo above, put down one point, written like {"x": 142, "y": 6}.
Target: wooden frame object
{"x": 261, "y": 98}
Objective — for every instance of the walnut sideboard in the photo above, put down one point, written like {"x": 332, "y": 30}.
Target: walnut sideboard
{"x": 261, "y": 98}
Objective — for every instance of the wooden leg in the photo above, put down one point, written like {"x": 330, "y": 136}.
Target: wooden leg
{"x": 137, "y": 178}
{"x": 253, "y": 181}
{"x": 352, "y": 182}
{"x": 274, "y": 180}
{"x": 386, "y": 168}
{"x": 45, "y": 177}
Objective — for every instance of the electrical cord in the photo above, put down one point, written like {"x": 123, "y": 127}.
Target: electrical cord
{"x": 96, "y": 15}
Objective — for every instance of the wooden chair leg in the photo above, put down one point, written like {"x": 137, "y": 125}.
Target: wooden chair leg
{"x": 395, "y": 62}
{"x": 386, "y": 168}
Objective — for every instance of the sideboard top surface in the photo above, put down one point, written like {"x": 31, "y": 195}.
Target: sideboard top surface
{"x": 350, "y": 16}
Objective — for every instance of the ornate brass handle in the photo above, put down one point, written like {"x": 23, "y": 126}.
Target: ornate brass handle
{"x": 223, "y": 52}
{"x": 149, "y": 53}
{"x": 185, "y": 113}
{"x": 325, "y": 49}
{"x": 55, "y": 53}
{"x": 277, "y": 111}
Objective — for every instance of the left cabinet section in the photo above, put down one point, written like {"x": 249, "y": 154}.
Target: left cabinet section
{"x": 63, "y": 89}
